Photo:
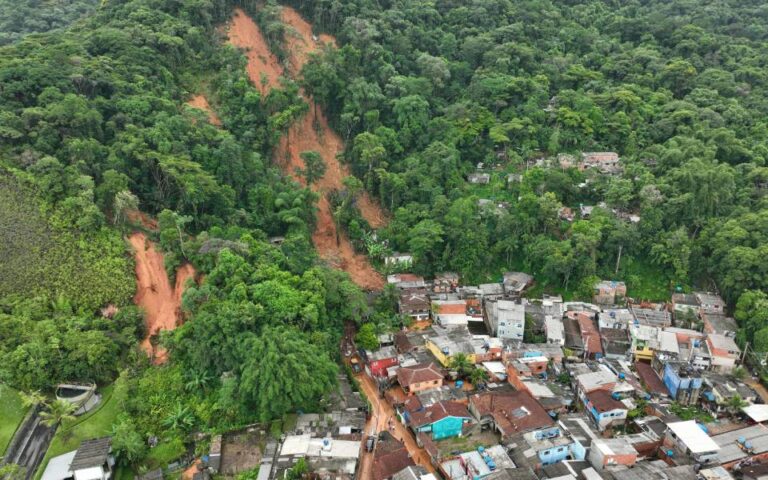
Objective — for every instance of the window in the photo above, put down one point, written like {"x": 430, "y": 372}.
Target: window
{"x": 546, "y": 452}
{"x": 561, "y": 449}
{"x": 434, "y": 383}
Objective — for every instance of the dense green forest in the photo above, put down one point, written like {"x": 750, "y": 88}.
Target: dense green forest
{"x": 93, "y": 124}
{"x": 20, "y": 18}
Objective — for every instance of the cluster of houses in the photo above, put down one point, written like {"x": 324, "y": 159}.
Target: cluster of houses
{"x": 595, "y": 400}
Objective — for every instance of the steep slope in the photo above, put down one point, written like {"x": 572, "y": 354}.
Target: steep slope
{"x": 161, "y": 303}
{"x": 201, "y": 103}
{"x": 265, "y": 71}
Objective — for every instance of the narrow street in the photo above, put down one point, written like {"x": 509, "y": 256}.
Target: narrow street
{"x": 382, "y": 412}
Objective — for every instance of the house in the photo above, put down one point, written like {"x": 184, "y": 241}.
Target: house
{"x": 443, "y": 419}
{"x": 683, "y": 382}
{"x": 414, "y": 472}
{"x": 403, "y": 343}
{"x": 605, "y": 162}
{"x": 505, "y": 319}
{"x": 399, "y": 259}
{"x": 553, "y": 445}
{"x": 723, "y": 351}
{"x": 590, "y": 337}
{"x": 710, "y": 301}
{"x": 491, "y": 463}
{"x": 415, "y": 303}
{"x": 516, "y": 282}
{"x": 479, "y": 178}
{"x": 615, "y": 342}
{"x": 389, "y": 457}
{"x": 326, "y": 456}
{"x": 684, "y": 302}
{"x": 609, "y": 292}
{"x": 718, "y": 322}
{"x": 444, "y": 344}
{"x": 449, "y": 313}
{"x": 418, "y": 378}
{"x": 379, "y": 361}
{"x": 688, "y": 438}
{"x": 509, "y": 413}
{"x": 654, "y": 317}
{"x": 742, "y": 447}
{"x": 553, "y": 327}
{"x": 445, "y": 282}
{"x": 605, "y": 408}
{"x": 606, "y": 452}
{"x": 520, "y": 369}
{"x": 91, "y": 461}
{"x": 406, "y": 280}
{"x": 719, "y": 391}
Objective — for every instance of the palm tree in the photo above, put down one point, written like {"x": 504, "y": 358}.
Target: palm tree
{"x": 460, "y": 363}
{"x": 478, "y": 375}
{"x": 735, "y": 404}
{"x": 57, "y": 412}
{"x": 32, "y": 398}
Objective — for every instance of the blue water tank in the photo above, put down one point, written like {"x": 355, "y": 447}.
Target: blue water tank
{"x": 670, "y": 453}
{"x": 703, "y": 427}
{"x": 615, "y": 396}
{"x": 741, "y": 440}
{"x": 481, "y": 449}
{"x": 748, "y": 445}
{"x": 459, "y": 383}
{"x": 621, "y": 376}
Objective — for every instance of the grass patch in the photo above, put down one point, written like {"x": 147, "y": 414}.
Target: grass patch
{"x": 94, "y": 424}
{"x": 645, "y": 282}
{"x": 690, "y": 413}
{"x": 11, "y": 414}
{"x": 164, "y": 453}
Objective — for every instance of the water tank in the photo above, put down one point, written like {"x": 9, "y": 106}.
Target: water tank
{"x": 446, "y": 351}
{"x": 670, "y": 453}
{"x": 621, "y": 376}
{"x": 459, "y": 383}
{"x": 703, "y": 427}
{"x": 748, "y": 445}
{"x": 741, "y": 440}
{"x": 491, "y": 465}
{"x": 481, "y": 449}
{"x": 615, "y": 396}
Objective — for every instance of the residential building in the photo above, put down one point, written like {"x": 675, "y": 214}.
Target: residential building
{"x": 609, "y": 292}
{"x": 723, "y": 351}
{"x": 616, "y": 343}
{"x": 505, "y": 319}
{"x": 92, "y": 460}
{"x": 715, "y": 321}
{"x": 683, "y": 382}
{"x": 479, "y": 178}
{"x": 509, "y": 413}
{"x": 325, "y": 455}
{"x": 590, "y": 336}
{"x": 685, "y": 302}
{"x": 742, "y": 447}
{"x": 414, "y": 472}
{"x": 406, "y": 280}
{"x": 421, "y": 377}
{"x": 520, "y": 369}
{"x": 444, "y": 344}
{"x": 655, "y": 317}
{"x": 390, "y": 456}
{"x": 553, "y": 445}
{"x": 710, "y": 301}
{"x": 605, "y": 162}
{"x": 607, "y": 452}
{"x": 516, "y": 282}
{"x": 379, "y": 361}
{"x": 688, "y": 438}
{"x": 442, "y": 420}
{"x": 415, "y": 303}
{"x": 605, "y": 409}
{"x": 553, "y": 327}
{"x": 450, "y": 313}
{"x": 445, "y": 282}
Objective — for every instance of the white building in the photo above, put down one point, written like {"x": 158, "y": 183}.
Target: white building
{"x": 555, "y": 330}
{"x": 91, "y": 461}
{"x": 506, "y": 319}
{"x": 691, "y": 440}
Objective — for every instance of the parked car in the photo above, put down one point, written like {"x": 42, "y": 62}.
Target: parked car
{"x": 370, "y": 442}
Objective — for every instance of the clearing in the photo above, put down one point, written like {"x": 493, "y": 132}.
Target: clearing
{"x": 201, "y": 103}
{"x": 161, "y": 303}
{"x": 94, "y": 424}
{"x": 311, "y": 132}
{"x": 12, "y": 413}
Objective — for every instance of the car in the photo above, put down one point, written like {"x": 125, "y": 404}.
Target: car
{"x": 370, "y": 442}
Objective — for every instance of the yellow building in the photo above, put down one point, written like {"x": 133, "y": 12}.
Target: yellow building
{"x": 444, "y": 348}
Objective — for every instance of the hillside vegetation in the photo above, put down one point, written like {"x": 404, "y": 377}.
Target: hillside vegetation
{"x": 19, "y": 18}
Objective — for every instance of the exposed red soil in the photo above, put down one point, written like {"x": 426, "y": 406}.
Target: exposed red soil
{"x": 263, "y": 68}
{"x": 161, "y": 303}
{"x": 137, "y": 217}
{"x": 311, "y": 132}
{"x": 200, "y": 102}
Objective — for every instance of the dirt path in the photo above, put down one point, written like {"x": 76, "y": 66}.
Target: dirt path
{"x": 311, "y": 132}
{"x": 382, "y": 412}
{"x": 200, "y": 102}
{"x": 161, "y": 303}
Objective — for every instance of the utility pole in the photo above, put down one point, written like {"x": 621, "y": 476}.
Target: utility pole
{"x": 618, "y": 260}
{"x": 744, "y": 354}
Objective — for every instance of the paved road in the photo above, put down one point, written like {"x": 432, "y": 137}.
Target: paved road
{"x": 382, "y": 412}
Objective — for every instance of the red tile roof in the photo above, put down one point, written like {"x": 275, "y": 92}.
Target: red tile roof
{"x": 423, "y": 372}
{"x": 452, "y": 308}
{"x": 390, "y": 457}
{"x": 513, "y": 412}
{"x": 589, "y": 334}
{"x": 437, "y": 412}
{"x": 650, "y": 379}
{"x": 604, "y": 402}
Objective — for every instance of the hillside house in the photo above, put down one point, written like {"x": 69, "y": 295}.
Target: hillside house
{"x": 724, "y": 352}
{"x": 516, "y": 282}
{"x": 479, "y": 178}
{"x": 92, "y": 460}
{"x": 445, "y": 282}
{"x": 689, "y": 439}
{"x": 415, "y": 303}
{"x": 399, "y": 260}
{"x": 605, "y": 162}
{"x": 379, "y": 361}
{"x": 605, "y": 409}
{"x": 609, "y": 292}
{"x": 450, "y": 313}
{"x": 406, "y": 281}
{"x": 553, "y": 327}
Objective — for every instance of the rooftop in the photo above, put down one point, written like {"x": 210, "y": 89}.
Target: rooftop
{"x": 758, "y": 413}
{"x": 603, "y": 402}
{"x": 614, "y": 446}
{"x": 721, "y": 342}
{"x": 418, "y": 373}
{"x": 437, "y": 412}
{"x": 733, "y": 444}
{"x": 595, "y": 380}
{"x": 91, "y": 453}
{"x": 652, "y": 317}
{"x": 381, "y": 354}
{"x": 512, "y": 412}
{"x": 693, "y": 436}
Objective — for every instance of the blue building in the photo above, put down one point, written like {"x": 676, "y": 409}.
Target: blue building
{"x": 443, "y": 419}
{"x": 555, "y": 444}
{"x": 683, "y": 382}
